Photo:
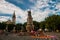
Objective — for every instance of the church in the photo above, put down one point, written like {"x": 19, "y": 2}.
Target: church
{"x": 13, "y": 21}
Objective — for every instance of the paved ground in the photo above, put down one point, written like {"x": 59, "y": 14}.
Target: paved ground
{"x": 16, "y": 37}
{"x": 54, "y": 34}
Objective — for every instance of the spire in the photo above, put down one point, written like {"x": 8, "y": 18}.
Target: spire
{"x": 14, "y": 18}
{"x": 14, "y": 15}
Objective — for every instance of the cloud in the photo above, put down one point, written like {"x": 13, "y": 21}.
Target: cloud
{"x": 8, "y": 8}
{"x": 33, "y": 1}
{"x": 38, "y": 14}
{"x": 4, "y": 18}
{"x": 19, "y": 1}
{"x": 58, "y": 6}
{"x": 40, "y": 10}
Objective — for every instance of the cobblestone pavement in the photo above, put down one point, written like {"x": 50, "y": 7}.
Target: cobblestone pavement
{"x": 16, "y": 37}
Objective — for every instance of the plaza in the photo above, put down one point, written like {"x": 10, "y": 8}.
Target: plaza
{"x": 12, "y": 36}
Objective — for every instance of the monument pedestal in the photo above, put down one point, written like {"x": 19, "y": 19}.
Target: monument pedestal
{"x": 29, "y": 28}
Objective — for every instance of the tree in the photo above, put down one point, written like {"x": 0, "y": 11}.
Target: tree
{"x": 18, "y": 26}
{"x": 24, "y": 26}
{"x": 42, "y": 25}
{"x": 10, "y": 27}
{"x": 36, "y": 25}
{"x": 53, "y": 21}
{"x": 2, "y": 26}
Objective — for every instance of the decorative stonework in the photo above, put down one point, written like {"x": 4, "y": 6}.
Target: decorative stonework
{"x": 30, "y": 25}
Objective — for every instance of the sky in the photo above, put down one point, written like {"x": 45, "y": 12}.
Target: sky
{"x": 40, "y": 9}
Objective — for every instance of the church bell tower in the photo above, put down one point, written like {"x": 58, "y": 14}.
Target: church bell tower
{"x": 14, "y": 18}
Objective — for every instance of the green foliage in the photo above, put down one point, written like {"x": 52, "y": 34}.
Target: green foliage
{"x": 2, "y": 26}
{"x": 10, "y": 27}
{"x": 36, "y": 25}
{"x": 53, "y": 22}
{"x": 18, "y": 26}
{"x": 42, "y": 24}
{"x": 24, "y": 26}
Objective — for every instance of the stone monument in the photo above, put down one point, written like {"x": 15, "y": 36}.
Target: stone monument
{"x": 29, "y": 26}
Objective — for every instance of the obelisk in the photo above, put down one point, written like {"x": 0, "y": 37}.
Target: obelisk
{"x": 29, "y": 26}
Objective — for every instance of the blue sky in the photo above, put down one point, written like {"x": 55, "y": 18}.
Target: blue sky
{"x": 23, "y": 4}
{"x": 26, "y": 4}
{"x": 39, "y": 8}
